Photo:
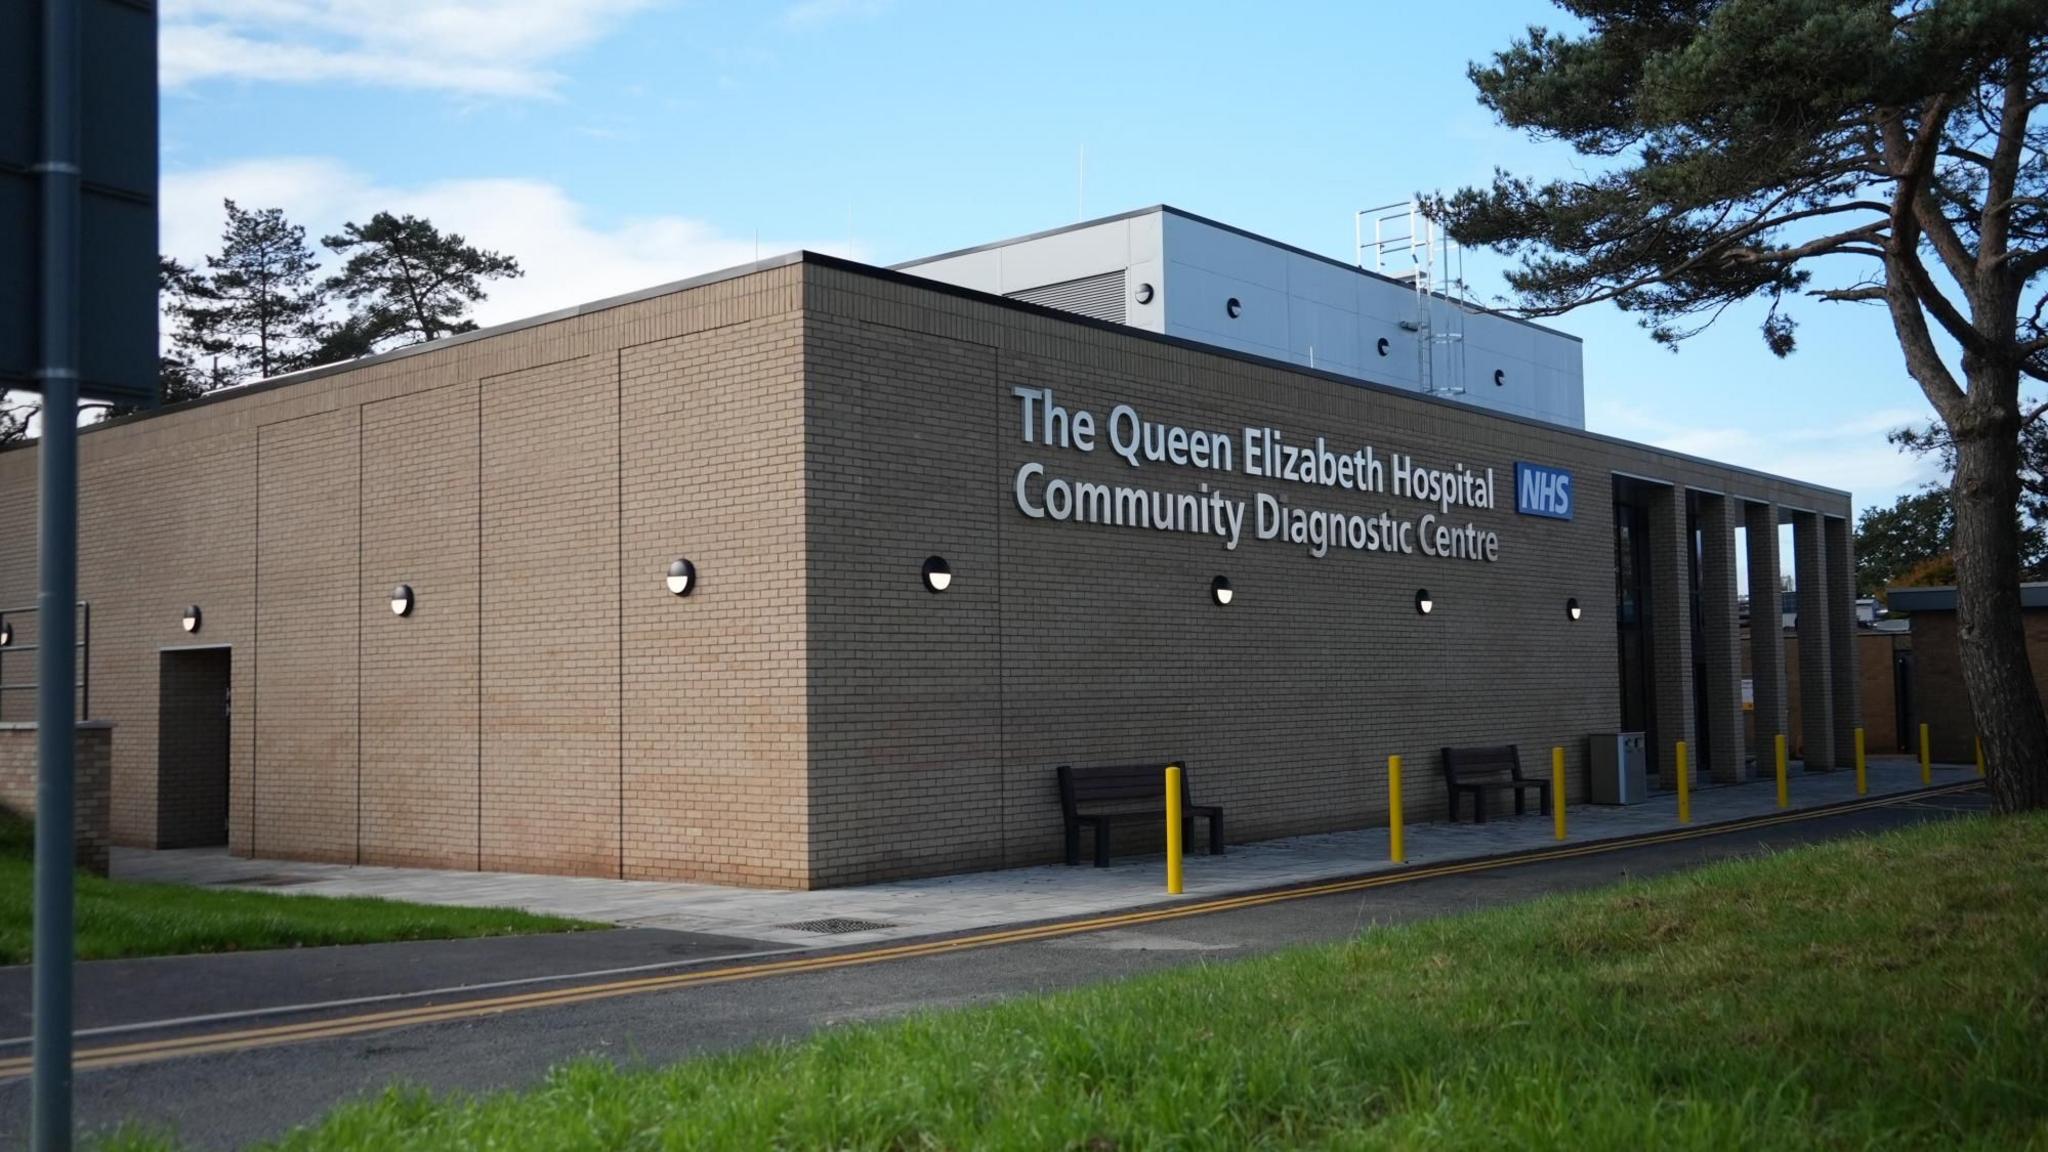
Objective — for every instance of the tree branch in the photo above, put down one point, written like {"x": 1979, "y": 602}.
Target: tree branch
{"x": 1839, "y": 295}
{"x": 1977, "y": 158}
{"x": 2023, "y": 266}
{"x": 1955, "y": 255}
{"x": 1911, "y": 162}
{"x": 2005, "y": 160}
{"x": 1838, "y": 244}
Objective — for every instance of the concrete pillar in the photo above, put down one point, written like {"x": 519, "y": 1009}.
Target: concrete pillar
{"x": 1816, "y": 682}
{"x": 1721, "y": 637}
{"x": 1847, "y": 670}
{"x": 1766, "y": 634}
{"x": 1670, "y": 548}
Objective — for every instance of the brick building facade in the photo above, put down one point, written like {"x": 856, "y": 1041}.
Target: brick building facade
{"x": 1939, "y": 698}
{"x": 807, "y": 431}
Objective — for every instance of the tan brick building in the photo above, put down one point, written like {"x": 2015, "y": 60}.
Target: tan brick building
{"x": 807, "y": 432}
{"x": 1937, "y": 695}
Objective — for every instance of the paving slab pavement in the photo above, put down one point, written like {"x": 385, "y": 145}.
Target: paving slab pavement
{"x": 977, "y": 901}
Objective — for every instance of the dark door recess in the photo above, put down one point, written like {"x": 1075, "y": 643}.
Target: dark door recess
{"x": 192, "y": 747}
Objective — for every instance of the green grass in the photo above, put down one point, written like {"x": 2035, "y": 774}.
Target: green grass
{"x": 1878, "y": 993}
{"x": 118, "y": 919}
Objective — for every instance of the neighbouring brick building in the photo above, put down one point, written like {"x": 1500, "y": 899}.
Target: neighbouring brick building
{"x": 1938, "y": 695}
{"x": 807, "y": 432}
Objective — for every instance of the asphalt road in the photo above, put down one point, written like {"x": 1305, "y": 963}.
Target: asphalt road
{"x": 112, "y": 993}
{"x": 229, "y": 1099}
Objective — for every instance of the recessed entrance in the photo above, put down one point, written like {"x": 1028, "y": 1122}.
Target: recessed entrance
{"x": 192, "y": 718}
{"x": 1634, "y": 608}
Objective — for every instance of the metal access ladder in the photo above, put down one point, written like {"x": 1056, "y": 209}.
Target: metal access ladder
{"x": 1408, "y": 246}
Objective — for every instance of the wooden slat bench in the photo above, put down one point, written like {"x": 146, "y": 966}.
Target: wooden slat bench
{"x": 1102, "y": 798}
{"x": 1478, "y": 771}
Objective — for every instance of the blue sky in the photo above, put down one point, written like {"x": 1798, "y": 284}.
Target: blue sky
{"x": 615, "y": 144}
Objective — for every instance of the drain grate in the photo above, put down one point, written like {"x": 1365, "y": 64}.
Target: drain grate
{"x": 835, "y": 926}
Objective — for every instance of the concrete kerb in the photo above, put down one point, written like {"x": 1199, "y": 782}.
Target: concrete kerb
{"x": 903, "y": 910}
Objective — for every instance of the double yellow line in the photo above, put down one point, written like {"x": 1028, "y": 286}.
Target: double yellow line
{"x": 116, "y": 1055}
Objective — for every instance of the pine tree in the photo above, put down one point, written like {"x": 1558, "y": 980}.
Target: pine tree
{"x": 1832, "y": 150}
{"x": 406, "y": 282}
{"x": 179, "y": 375}
{"x": 353, "y": 336}
{"x": 257, "y": 304}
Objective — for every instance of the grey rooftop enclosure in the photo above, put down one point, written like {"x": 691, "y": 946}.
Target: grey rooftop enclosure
{"x": 1171, "y": 272}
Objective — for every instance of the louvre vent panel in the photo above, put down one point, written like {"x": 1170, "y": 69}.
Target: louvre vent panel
{"x": 1101, "y": 297}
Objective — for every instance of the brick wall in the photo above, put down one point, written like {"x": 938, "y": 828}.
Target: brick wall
{"x": 550, "y": 565}
{"x": 1873, "y": 652}
{"x": 499, "y": 724}
{"x": 304, "y": 791}
{"x": 166, "y": 520}
{"x": 936, "y": 721}
{"x": 807, "y": 434}
{"x": 92, "y": 782}
{"x": 1669, "y": 633}
{"x": 715, "y": 759}
{"x": 1879, "y": 689}
{"x": 1941, "y": 699}
{"x": 419, "y": 767}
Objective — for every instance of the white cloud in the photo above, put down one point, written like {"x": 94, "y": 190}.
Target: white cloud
{"x": 814, "y": 13}
{"x": 1850, "y": 454}
{"x": 481, "y": 47}
{"x": 568, "y": 258}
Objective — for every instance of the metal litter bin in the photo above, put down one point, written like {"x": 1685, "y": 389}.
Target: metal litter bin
{"x": 1620, "y": 768}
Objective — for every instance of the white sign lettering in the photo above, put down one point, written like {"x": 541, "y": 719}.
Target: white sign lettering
{"x": 1264, "y": 453}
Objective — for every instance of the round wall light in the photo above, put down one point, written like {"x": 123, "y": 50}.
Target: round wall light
{"x": 1423, "y": 603}
{"x": 401, "y": 600}
{"x": 938, "y": 575}
{"x": 191, "y": 622}
{"x": 1571, "y": 608}
{"x": 6, "y": 633}
{"x": 1233, "y": 306}
{"x": 682, "y": 576}
{"x": 1144, "y": 293}
{"x": 1383, "y": 345}
{"x": 1500, "y": 377}
{"x": 1220, "y": 589}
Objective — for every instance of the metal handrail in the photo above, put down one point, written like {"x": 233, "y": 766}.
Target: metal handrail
{"x": 83, "y": 685}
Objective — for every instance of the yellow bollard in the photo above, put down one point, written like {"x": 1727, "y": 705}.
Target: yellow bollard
{"x": 1862, "y": 779}
{"x": 1173, "y": 844}
{"x": 1684, "y": 789}
{"x": 1557, "y": 788}
{"x": 1980, "y": 755}
{"x": 1926, "y": 764}
{"x": 1784, "y": 794}
{"x": 1396, "y": 850}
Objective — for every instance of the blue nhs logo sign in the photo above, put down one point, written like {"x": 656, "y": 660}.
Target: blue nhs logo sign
{"x": 1541, "y": 491}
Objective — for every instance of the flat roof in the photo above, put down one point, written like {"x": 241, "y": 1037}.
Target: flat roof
{"x": 927, "y": 284}
{"x": 1942, "y": 598}
{"x": 1170, "y": 210}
